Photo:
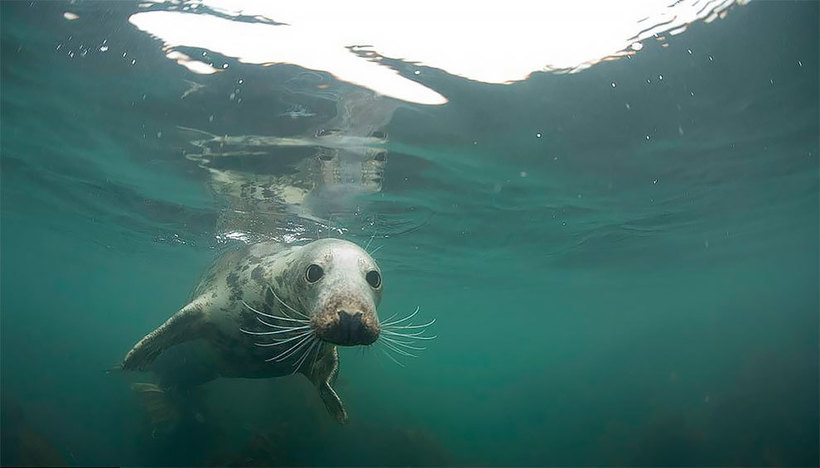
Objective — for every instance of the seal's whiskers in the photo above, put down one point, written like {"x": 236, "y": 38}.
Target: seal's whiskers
{"x": 398, "y": 336}
{"x": 296, "y": 347}
{"x": 390, "y": 324}
{"x": 302, "y": 359}
{"x": 307, "y": 346}
{"x": 398, "y": 350}
{"x": 276, "y": 332}
{"x": 406, "y": 327}
{"x": 388, "y": 319}
{"x": 392, "y": 358}
{"x": 402, "y": 344}
{"x": 275, "y": 317}
{"x": 286, "y": 305}
{"x": 320, "y": 346}
{"x": 281, "y": 342}
{"x": 303, "y": 345}
{"x": 414, "y": 336}
{"x": 302, "y": 333}
{"x": 280, "y": 327}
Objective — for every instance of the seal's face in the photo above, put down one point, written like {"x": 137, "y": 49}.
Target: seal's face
{"x": 340, "y": 286}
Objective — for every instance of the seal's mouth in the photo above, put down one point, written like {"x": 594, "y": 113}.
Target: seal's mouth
{"x": 347, "y": 327}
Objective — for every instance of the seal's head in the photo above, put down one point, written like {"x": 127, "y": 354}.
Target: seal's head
{"x": 339, "y": 286}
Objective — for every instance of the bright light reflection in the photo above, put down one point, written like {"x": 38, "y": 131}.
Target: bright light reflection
{"x": 492, "y": 42}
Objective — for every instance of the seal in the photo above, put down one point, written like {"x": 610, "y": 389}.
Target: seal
{"x": 269, "y": 310}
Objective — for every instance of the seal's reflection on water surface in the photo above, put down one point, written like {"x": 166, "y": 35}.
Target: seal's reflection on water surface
{"x": 273, "y": 186}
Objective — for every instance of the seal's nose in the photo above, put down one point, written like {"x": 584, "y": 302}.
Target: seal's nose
{"x": 350, "y": 325}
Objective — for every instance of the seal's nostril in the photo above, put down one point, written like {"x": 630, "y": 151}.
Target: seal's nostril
{"x": 350, "y": 325}
{"x": 345, "y": 315}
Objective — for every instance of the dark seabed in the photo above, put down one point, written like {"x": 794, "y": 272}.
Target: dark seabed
{"x": 623, "y": 267}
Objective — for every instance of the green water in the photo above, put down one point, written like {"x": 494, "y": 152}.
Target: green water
{"x": 602, "y": 298}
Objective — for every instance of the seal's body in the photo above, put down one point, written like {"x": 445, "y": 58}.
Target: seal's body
{"x": 269, "y": 310}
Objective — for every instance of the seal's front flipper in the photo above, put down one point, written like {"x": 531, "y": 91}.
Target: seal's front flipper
{"x": 322, "y": 373}
{"x": 185, "y": 325}
{"x": 333, "y": 403}
{"x": 163, "y": 413}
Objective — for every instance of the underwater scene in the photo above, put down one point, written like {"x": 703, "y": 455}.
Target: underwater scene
{"x": 564, "y": 233}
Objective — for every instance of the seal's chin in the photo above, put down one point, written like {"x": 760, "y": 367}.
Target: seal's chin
{"x": 349, "y": 329}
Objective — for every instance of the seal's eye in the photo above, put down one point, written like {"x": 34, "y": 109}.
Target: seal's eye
{"x": 374, "y": 279}
{"x": 314, "y": 273}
